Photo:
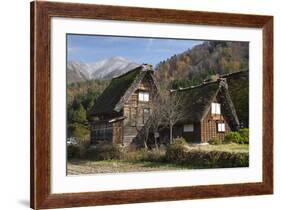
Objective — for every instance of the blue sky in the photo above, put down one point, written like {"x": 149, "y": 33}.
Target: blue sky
{"x": 91, "y": 48}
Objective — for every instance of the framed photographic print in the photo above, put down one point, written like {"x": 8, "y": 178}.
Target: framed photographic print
{"x": 140, "y": 105}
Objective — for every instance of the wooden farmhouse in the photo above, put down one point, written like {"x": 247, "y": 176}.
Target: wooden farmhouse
{"x": 123, "y": 108}
{"x": 208, "y": 112}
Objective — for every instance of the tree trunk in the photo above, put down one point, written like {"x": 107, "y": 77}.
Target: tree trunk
{"x": 171, "y": 133}
{"x": 146, "y": 135}
{"x": 145, "y": 144}
{"x": 155, "y": 142}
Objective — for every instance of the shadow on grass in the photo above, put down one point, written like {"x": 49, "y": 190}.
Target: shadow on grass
{"x": 149, "y": 164}
{"x": 146, "y": 164}
{"x": 76, "y": 161}
{"x": 179, "y": 166}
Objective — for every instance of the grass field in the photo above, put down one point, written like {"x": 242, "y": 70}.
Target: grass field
{"x": 81, "y": 166}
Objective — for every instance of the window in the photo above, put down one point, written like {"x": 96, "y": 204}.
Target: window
{"x": 216, "y": 108}
{"x": 188, "y": 128}
{"x": 143, "y": 96}
{"x": 221, "y": 127}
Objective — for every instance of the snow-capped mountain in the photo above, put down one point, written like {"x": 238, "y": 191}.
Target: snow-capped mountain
{"x": 105, "y": 69}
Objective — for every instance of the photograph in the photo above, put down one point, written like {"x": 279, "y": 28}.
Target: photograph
{"x": 145, "y": 104}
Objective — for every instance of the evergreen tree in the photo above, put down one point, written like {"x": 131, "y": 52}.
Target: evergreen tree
{"x": 79, "y": 115}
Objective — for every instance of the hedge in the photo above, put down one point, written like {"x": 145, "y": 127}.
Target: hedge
{"x": 105, "y": 151}
{"x": 197, "y": 158}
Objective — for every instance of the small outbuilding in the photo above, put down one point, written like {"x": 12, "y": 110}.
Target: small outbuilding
{"x": 208, "y": 112}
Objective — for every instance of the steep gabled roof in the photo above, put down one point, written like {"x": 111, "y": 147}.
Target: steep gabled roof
{"x": 117, "y": 93}
{"x": 197, "y": 101}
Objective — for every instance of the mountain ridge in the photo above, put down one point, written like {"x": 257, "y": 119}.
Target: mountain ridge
{"x": 101, "y": 70}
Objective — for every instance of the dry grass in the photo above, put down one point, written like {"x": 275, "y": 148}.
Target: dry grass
{"x": 76, "y": 167}
{"x": 136, "y": 164}
{"x": 222, "y": 147}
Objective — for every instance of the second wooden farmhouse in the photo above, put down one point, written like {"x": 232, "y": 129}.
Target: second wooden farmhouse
{"x": 208, "y": 112}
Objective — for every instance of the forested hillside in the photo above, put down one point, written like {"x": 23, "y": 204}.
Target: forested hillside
{"x": 200, "y": 62}
{"x": 81, "y": 97}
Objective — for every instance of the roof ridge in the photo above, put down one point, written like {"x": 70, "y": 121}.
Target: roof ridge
{"x": 206, "y": 82}
{"x": 144, "y": 67}
{"x": 194, "y": 86}
{"x": 233, "y": 73}
{"x": 128, "y": 72}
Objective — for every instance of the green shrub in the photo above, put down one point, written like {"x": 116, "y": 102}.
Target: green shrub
{"x": 233, "y": 137}
{"x": 79, "y": 149}
{"x": 83, "y": 146}
{"x": 214, "y": 141}
{"x": 244, "y": 133}
{"x": 153, "y": 156}
{"x": 105, "y": 151}
{"x": 196, "y": 158}
{"x": 176, "y": 152}
{"x": 240, "y": 159}
{"x": 179, "y": 141}
{"x": 240, "y": 137}
{"x": 138, "y": 155}
{"x": 78, "y": 131}
{"x": 223, "y": 159}
{"x": 145, "y": 155}
{"x": 73, "y": 151}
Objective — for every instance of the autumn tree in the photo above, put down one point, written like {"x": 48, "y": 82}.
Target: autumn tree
{"x": 171, "y": 110}
{"x": 141, "y": 127}
{"x": 156, "y": 118}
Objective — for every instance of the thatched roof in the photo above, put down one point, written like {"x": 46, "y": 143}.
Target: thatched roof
{"x": 238, "y": 86}
{"x": 119, "y": 90}
{"x": 197, "y": 100}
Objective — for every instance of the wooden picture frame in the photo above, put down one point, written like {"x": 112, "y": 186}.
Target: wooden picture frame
{"x": 41, "y": 14}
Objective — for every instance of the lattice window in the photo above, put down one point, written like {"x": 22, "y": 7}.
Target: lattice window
{"x": 143, "y": 96}
{"x": 221, "y": 127}
{"x": 216, "y": 108}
